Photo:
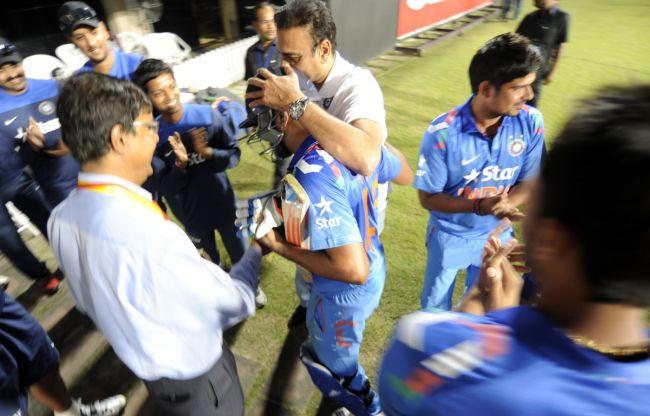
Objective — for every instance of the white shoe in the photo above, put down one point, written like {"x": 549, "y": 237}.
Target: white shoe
{"x": 110, "y": 406}
{"x": 260, "y": 298}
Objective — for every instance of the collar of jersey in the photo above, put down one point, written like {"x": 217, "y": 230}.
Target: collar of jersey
{"x": 468, "y": 122}
{"x": 258, "y": 46}
{"x": 535, "y": 330}
{"x": 301, "y": 151}
{"x": 96, "y": 178}
{"x": 335, "y": 77}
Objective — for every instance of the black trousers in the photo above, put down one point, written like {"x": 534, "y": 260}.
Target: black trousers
{"x": 217, "y": 392}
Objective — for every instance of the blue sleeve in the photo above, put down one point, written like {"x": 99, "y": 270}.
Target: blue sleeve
{"x": 331, "y": 221}
{"x": 389, "y": 166}
{"x": 431, "y": 176}
{"x": 534, "y": 148}
{"x": 224, "y": 145}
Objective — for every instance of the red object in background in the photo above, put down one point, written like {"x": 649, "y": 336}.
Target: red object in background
{"x": 418, "y": 15}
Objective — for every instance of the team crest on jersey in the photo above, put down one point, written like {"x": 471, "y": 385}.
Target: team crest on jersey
{"x": 327, "y": 102}
{"x": 516, "y": 147}
{"x": 46, "y": 108}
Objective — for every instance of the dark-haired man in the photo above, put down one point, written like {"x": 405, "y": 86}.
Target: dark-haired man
{"x": 264, "y": 54}
{"x": 27, "y": 114}
{"x": 345, "y": 115}
{"x": 81, "y": 25}
{"x": 548, "y": 29}
{"x": 476, "y": 162}
{"x": 585, "y": 348}
{"x": 204, "y": 201}
{"x": 135, "y": 273}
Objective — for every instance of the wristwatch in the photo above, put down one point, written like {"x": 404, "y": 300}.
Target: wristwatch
{"x": 297, "y": 108}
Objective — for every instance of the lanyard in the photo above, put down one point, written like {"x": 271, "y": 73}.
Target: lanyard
{"x": 264, "y": 63}
{"x": 122, "y": 192}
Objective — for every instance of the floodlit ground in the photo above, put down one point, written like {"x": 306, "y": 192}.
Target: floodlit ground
{"x": 609, "y": 44}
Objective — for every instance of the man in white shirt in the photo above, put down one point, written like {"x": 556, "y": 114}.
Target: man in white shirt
{"x": 344, "y": 111}
{"x": 135, "y": 273}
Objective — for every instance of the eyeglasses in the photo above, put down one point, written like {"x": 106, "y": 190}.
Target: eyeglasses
{"x": 151, "y": 125}
{"x": 76, "y": 15}
{"x": 7, "y": 49}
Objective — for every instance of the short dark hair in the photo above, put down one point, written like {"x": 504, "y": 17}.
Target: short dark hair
{"x": 311, "y": 13}
{"x": 89, "y": 105}
{"x": 262, "y": 5}
{"x": 502, "y": 59}
{"x": 595, "y": 182}
{"x": 148, "y": 70}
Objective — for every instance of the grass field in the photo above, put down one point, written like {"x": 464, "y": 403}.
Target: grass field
{"x": 609, "y": 44}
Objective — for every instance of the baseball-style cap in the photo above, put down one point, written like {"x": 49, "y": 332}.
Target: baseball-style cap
{"x": 73, "y": 14}
{"x": 8, "y": 53}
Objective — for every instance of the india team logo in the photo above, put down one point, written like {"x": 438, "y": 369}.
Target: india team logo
{"x": 46, "y": 108}
{"x": 516, "y": 147}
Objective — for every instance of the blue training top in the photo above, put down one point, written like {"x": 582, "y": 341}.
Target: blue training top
{"x": 124, "y": 66}
{"x": 202, "y": 195}
{"x": 38, "y": 101}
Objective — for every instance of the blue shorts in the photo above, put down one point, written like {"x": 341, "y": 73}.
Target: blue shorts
{"x": 26, "y": 355}
{"x": 446, "y": 255}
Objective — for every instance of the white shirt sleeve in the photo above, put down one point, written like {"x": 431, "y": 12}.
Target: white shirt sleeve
{"x": 362, "y": 98}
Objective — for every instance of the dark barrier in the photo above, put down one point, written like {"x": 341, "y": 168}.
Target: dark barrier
{"x": 418, "y": 15}
{"x": 366, "y": 28}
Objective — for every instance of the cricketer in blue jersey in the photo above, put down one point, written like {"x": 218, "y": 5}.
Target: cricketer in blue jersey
{"x": 27, "y": 106}
{"x": 124, "y": 64}
{"x": 474, "y": 163}
{"x": 81, "y": 25}
{"x": 197, "y": 187}
{"x": 584, "y": 349}
{"x": 346, "y": 259}
{"x": 207, "y": 201}
{"x": 56, "y": 174}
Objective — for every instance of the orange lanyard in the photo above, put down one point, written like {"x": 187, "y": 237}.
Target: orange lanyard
{"x": 122, "y": 192}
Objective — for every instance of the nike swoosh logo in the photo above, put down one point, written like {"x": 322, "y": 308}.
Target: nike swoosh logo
{"x": 467, "y": 162}
{"x": 169, "y": 153}
{"x": 11, "y": 120}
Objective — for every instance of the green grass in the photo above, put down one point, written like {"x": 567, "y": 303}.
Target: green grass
{"x": 609, "y": 44}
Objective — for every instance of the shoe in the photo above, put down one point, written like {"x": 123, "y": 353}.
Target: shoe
{"x": 298, "y": 317}
{"x": 108, "y": 407}
{"x": 4, "y": 283}
{"x": 260, "y": 298}
{"x": 50, "y": 284}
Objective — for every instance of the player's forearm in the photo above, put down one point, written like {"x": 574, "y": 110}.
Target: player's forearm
{"x": 405, "y": 176}
{"x": 350, "y": 145}
{"x": 320, "y": 263}
{"x": 445, "y": 203}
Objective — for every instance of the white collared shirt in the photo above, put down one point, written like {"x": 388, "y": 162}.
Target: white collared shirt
{"x": 141, "y": 280}
{"x": 351, "y": 93}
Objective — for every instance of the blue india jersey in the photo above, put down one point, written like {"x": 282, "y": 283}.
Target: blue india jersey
{"x": 123, "y": 68}
{"x": 458, "y": 160}
{"x": 343, "y": 206}
{"x": 511, "y": 362}
{"x": 39, "y": 102}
